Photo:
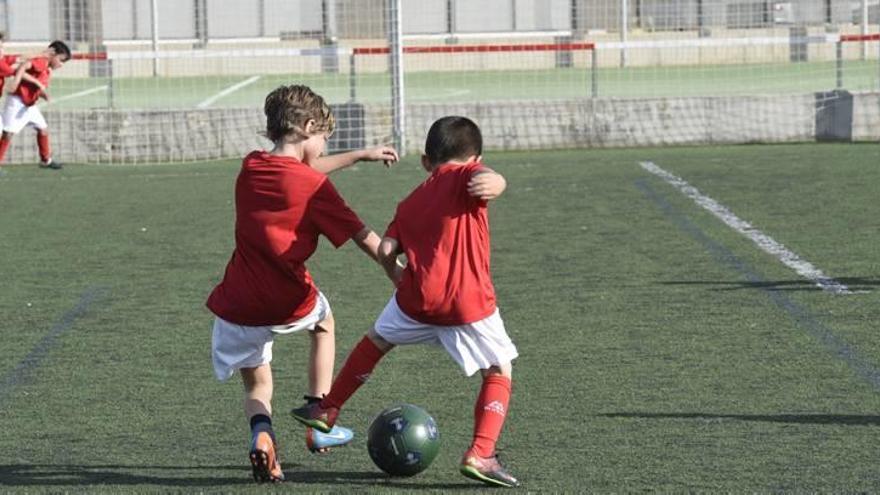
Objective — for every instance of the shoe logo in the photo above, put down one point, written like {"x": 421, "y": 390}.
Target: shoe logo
{"x": 334, "y": 434}
{"x": 495, "y": 407}
{"x": 363, "y": 378}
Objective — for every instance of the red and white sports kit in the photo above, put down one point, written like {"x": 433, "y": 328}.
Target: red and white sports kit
{"x": 445, "y": 297}
{"x": 282, "y": 205}
{"x": 20, "y": 110}
{"x": 446, "y": 294}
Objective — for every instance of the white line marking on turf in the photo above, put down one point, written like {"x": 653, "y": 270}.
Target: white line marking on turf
{"x": 77, "y": 94}
{"x": 231, "y": 89}
{"x": 765, "y": 242}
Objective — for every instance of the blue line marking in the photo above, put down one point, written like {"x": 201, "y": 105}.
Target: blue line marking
{"x": 862, "y": 367}
{"x": 22, "y": 372}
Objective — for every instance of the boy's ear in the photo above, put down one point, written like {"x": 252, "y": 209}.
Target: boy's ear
{"x": 310, "y": 126}
{"x": 426, "y": 163}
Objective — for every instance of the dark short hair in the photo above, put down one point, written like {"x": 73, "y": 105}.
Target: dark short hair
{"x": 453, "y": 138}
{"x": 60, "y": 48}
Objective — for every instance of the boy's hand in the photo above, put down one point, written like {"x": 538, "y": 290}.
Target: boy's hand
{"x": 486, "y": 185}
{"x": 386, "y": 154}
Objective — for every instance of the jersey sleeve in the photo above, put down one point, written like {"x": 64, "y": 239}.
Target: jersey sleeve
{"x": 469, "y": 174}
{"x": 6, "y": 64}
{"x": 332, "y": 216}
{"x": 39, "y": 65}
{"x": 391, "y": 231}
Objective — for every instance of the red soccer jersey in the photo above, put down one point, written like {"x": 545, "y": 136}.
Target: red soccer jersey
{"x": 28, "y": 92}
{"x": 281, "y": 206}
{"x": 444, "y": 232}
{"x": 6, "y": 70}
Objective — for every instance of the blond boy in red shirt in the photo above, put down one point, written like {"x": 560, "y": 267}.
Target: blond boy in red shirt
{"x": 445, "y": 294}
{"x": 283, "y": 203}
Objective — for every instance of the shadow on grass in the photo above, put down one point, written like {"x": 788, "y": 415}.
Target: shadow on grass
{"x": 816, "y": 419}
{"x": 48, "y": 475}
{"x": 854, "y": 284}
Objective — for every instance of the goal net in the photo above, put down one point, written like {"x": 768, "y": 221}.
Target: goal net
{"x": 179, "y": 80}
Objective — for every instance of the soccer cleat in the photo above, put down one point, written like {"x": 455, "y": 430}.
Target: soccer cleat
{"x": 486, "y": 469}
{"x": 321, "y": 443}
{"x": 314, "y": 416}
{"x": 264, "y": 459}
{"x": 52, "y": 164}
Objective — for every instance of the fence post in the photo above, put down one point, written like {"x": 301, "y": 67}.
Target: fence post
{"x": 624, "y": 28}
{"x": 154, "y": 13}
{"x": 110, "y": 95}
{"x": 352, "y": 77}
{"x": 864, "y": 29}
{"x": 594, "y": 75}
{"x": 398, "y": 99}
{"x": 839, "y": 64}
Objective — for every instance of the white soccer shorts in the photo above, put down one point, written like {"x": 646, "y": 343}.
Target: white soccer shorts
{"x": 239, "y": 346}
{"x": 474, "y": 346}
{"x": 17, "y": 115}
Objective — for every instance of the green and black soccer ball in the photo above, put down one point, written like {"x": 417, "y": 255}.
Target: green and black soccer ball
{"x": 403, "y": 440}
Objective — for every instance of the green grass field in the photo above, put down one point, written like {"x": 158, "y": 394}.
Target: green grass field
{"x": 660, "y": 350}
{"x": 704, "y": 80}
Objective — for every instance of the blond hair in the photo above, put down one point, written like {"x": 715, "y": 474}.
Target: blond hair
{"x": 289, "y": 108}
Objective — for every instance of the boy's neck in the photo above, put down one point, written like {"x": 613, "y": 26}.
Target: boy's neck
{"x": 455, "y": 163}
{"x": 288, "y": 149}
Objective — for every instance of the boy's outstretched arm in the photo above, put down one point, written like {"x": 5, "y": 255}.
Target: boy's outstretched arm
{"x": 331, "y": 163}
{"x": 368, "y": 241}
{"x": 486, "y": 184}
{"x": 389, "y": 248}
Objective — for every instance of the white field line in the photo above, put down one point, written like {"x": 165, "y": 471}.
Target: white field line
{"x": 76, "y": 95}
{"x": 231, "y": 89}
{"x": 763, "y": 241}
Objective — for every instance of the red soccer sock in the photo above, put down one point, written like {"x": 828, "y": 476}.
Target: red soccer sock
{"x": 4, "y": 145}
{"x": 43, "y": 145}
{"x": 354, "y": 373}
{"x": 489, "y": 414}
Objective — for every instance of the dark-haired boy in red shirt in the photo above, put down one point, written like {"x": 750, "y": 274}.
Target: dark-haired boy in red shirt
{"x": 445, "y": 294}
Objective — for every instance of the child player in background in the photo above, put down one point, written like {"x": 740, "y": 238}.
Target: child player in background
{"x": 8, "y": 64}
{"x": 29, "y": 85}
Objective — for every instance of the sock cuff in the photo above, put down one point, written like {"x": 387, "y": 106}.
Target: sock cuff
{"x": 369, "y": 349}
{"x": 260, "y": 420}
{"x": 498, "y": 380}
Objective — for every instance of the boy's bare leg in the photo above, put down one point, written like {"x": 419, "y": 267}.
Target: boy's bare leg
{"x": 480, "y": 461}
{"x": 258, "y": 389}
{"x": 354, "y": 373}
{"x": 322, "y": 357}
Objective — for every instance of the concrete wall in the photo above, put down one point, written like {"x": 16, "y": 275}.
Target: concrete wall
{"x": 101, "y": 136}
